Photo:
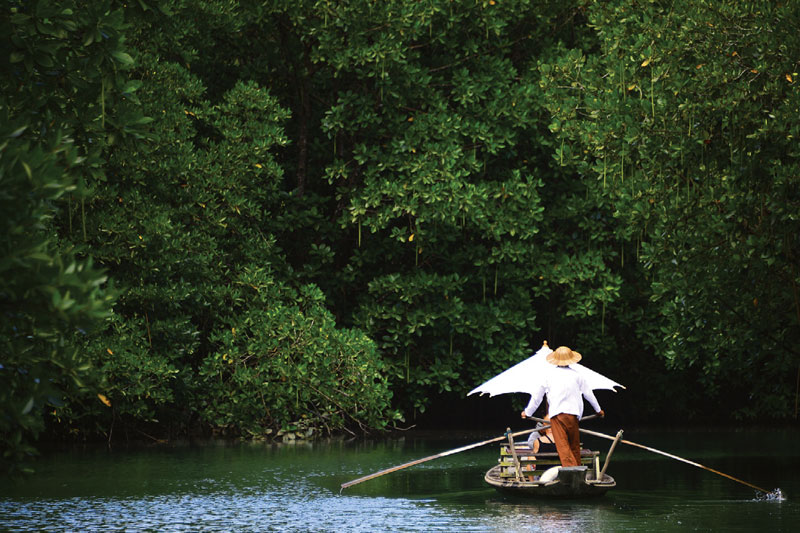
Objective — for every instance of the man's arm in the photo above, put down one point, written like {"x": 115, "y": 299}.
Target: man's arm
{"x": 588, "y": 393}
{"x": 536, "y": 399}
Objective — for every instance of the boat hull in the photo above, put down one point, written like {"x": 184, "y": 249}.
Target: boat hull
{"x": 572, "y": 482}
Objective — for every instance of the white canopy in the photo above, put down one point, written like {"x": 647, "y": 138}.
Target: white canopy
{"x": 524, "y": 376}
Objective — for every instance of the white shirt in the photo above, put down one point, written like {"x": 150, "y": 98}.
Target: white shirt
{"x": 565, "y": 389}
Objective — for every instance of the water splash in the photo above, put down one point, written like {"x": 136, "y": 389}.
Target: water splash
{"x": 776, "y": 495}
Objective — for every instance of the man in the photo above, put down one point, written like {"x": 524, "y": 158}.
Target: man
{"x": 565, "y": 389}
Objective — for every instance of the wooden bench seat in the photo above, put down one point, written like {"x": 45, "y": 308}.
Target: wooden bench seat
{"x": 530, "y": 462}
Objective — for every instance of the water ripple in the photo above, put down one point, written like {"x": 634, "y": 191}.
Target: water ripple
{"x": 222, "y": 511}
{"x": 288, "y": 489}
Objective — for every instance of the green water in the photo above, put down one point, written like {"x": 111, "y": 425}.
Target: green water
{"x": 260, "y": 487}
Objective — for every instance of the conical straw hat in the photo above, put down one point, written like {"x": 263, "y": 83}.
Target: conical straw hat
{"x": 563, "y": 356}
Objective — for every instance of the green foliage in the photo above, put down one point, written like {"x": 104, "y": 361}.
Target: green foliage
{"x": 318, "y": 213}
{"x": 60, "y": 63}
{"x": 685, "y": 120}
{"x": 49, "y": 296}
{"x": 443, "y": 185}
{"x": 204, "y": 328}
{"x": 287, "y": 366}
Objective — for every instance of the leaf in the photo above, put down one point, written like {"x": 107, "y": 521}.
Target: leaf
{"x": 132, "y": 86}
{"x": 122, "y": 57}
{"x": 646, "y": 62}
{"x": 104, "y": 399}
{"x": 17, "y": 132}
{"x": 165, "y": 9}
{"x": 28, "y": 406}
{"x": 55, "y": 401}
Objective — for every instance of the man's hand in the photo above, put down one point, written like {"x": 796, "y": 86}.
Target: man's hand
{"x": 601, "y": 413}
{"x": 523, "y": 415}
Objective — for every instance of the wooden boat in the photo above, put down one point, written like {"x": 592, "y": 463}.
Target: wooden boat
{"x": 520, "y": 472}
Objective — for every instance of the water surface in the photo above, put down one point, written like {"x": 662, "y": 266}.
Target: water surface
{"x": 262, "y": 487}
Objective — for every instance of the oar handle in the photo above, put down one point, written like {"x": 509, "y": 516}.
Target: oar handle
{"x": 543, "y": 421}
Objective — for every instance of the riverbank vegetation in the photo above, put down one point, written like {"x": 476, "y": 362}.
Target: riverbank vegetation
{"x": 289, "y": 219}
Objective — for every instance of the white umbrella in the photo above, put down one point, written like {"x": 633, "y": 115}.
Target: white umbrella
{"x": 525, "y": 376}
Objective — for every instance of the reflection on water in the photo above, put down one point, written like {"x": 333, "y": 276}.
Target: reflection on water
{"x": 255, "y": 487}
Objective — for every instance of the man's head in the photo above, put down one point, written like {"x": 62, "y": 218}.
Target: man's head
{"x": 563, "y": 356}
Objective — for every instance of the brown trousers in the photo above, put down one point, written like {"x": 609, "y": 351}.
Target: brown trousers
{"x": 568, "y": 439}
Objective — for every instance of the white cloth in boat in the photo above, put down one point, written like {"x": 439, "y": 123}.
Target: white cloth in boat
{"x": 565, "y": 389}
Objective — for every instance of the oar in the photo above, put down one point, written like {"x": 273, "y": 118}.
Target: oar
{"x": 671, "y": 456}
{"x": 432, "y": 457}
{"x": 445, "y": 454}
